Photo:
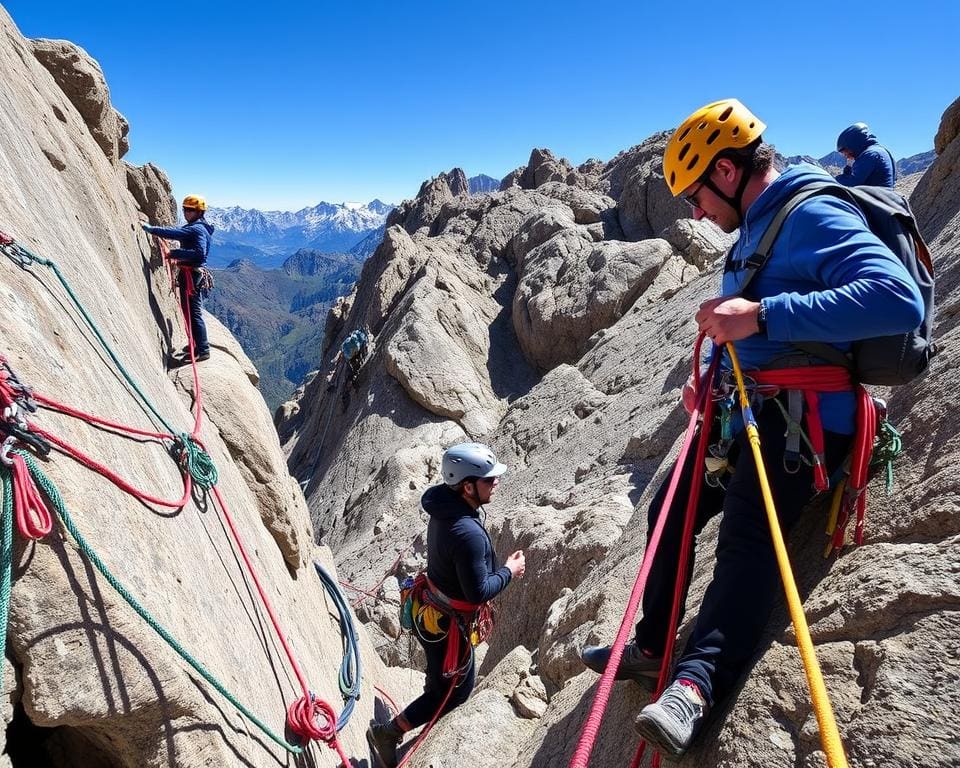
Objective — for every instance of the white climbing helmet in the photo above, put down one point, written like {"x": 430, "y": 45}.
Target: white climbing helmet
{"x": 469, "y": 460}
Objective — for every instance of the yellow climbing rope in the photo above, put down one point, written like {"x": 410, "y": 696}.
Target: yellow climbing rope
{"x": 829, "y": 735}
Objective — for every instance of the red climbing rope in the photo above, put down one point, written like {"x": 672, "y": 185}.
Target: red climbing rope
{"x": 113, "y": 477}
{"x": 591, "y": 727}
{"x": 97, "y": 420}
{"x": 30, "y": 511}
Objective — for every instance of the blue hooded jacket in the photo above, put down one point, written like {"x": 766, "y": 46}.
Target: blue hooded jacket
{"x": 873, "y": 164}
{"x": 460, "y": 558}
{"x": 194, "y": 240}
{"x": 828, "y": 278}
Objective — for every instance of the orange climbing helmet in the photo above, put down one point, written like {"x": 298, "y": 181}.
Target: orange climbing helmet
{"x": 725, "y": 124}
{"x": 195, "y": 202}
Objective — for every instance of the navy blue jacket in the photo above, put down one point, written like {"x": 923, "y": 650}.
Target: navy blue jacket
{"x": 460, "y": 558}
{"x": 872, "y": 164}
{"x": 194, "y": 241}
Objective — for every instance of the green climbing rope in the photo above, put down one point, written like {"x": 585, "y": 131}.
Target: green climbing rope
{"x": 196, "y": 461}
{"x": 6, "y": 556}
{"x": 886, "y": 447}
{"x": 25, "y": 256}
{"x": 57, "y": 501}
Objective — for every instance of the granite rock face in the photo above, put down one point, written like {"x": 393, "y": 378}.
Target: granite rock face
{"x": 82, "y": 81}
{"x": 86, "y": 681}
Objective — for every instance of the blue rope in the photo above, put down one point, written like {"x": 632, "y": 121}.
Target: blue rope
{"x": 350, "y": 668}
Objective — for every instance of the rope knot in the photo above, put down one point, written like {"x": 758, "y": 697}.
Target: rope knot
{"x": 195, "y": 461}
{"x": 30, "y": 511}
{"x": 312, "y": 719}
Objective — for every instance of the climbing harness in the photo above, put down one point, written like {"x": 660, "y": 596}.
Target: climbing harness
{"x": 436, "y": 618}
{"x": 309, "y": 717}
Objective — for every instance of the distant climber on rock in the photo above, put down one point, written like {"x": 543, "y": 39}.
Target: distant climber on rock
{"x": 828, "y": 279}
{"x": 448, "y": 604}
{"x": 868, "y": 161}
{"x": 354, "y": 351}
{"x": 195, "y": 239}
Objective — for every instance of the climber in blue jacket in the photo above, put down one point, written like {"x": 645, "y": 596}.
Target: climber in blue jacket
{"x": 195, "y": 239}
{"x": 868, "y": 161}
{"x": 828, "y": 279}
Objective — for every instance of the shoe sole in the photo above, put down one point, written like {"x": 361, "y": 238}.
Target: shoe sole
{"x": 647, "y": 680}
{"x": 657, "y": 737}
{"x": 376, "y": 753}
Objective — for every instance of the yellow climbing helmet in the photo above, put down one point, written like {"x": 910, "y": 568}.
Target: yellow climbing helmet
{"x": 725, "y": 124}
{"x": 195, "y": 202}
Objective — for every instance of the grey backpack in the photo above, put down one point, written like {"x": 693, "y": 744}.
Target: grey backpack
{"x": 886, "y": 360}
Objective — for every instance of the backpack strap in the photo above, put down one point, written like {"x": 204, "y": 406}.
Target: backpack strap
{"x": 759, "y": 259}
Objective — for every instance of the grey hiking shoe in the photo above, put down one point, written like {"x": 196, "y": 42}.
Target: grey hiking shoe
{"x": 671, "y": 722}
{"x": 634, "y": 663}
{"x": 384, "y": 741}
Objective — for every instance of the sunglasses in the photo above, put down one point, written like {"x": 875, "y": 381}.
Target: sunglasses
{"x": 691, "y": 199}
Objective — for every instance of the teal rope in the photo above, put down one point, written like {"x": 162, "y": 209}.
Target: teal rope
{"x": 26, "y": 254}
{"x": 351, "y": 671}
{"x": 196, "y": 461}
{"x": 6, "y": 556}
{"x": 57, "y": 500}
{"x": 886, "y": 447}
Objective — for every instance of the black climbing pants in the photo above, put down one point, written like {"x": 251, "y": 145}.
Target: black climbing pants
{"x": 746, "y": 581}
{"x": 422, "y": 709}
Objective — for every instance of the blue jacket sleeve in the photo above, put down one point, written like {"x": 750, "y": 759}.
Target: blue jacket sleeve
{"x": 476, "y": 581}
{"x": 869, "y": 292}
{"x": 171, "y": 233}
{"x": 862, "y": 168}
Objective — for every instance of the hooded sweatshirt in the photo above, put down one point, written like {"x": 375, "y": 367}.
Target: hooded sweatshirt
{"x": 194, "y": 240}
{"x": 460, "y": 557}
{"x": 828, "y": 278}
{"x": 873, "y": 164}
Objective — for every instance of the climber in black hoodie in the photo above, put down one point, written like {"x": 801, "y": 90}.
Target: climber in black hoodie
{"x": 461, "y": 568}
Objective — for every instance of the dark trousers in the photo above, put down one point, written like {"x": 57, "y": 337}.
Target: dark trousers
{"x": 422, "y": 709}
{"x": 746, "y": 580}
{"x": 194, "y": 310}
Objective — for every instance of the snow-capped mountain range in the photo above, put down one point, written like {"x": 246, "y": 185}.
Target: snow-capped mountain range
{"x": 331, "y": 227}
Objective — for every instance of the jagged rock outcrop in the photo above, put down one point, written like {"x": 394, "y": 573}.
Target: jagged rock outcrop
{"x": 153, "y": 192}
{"x": 82, "y": 81}
{"x": 86, "y": 681}
{"x": 433, "y": 194}
{"x": 587, "y": 426}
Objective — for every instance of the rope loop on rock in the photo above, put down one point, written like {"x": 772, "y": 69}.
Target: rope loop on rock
{"x": 195, "y": 461}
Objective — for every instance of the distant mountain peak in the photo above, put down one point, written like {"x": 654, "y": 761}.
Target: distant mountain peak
{"x": 481, "y": 184}
{"x": 328, "y": 227}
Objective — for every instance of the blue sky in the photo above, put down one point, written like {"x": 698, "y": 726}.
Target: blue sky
{"x": 282, "y": 106}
